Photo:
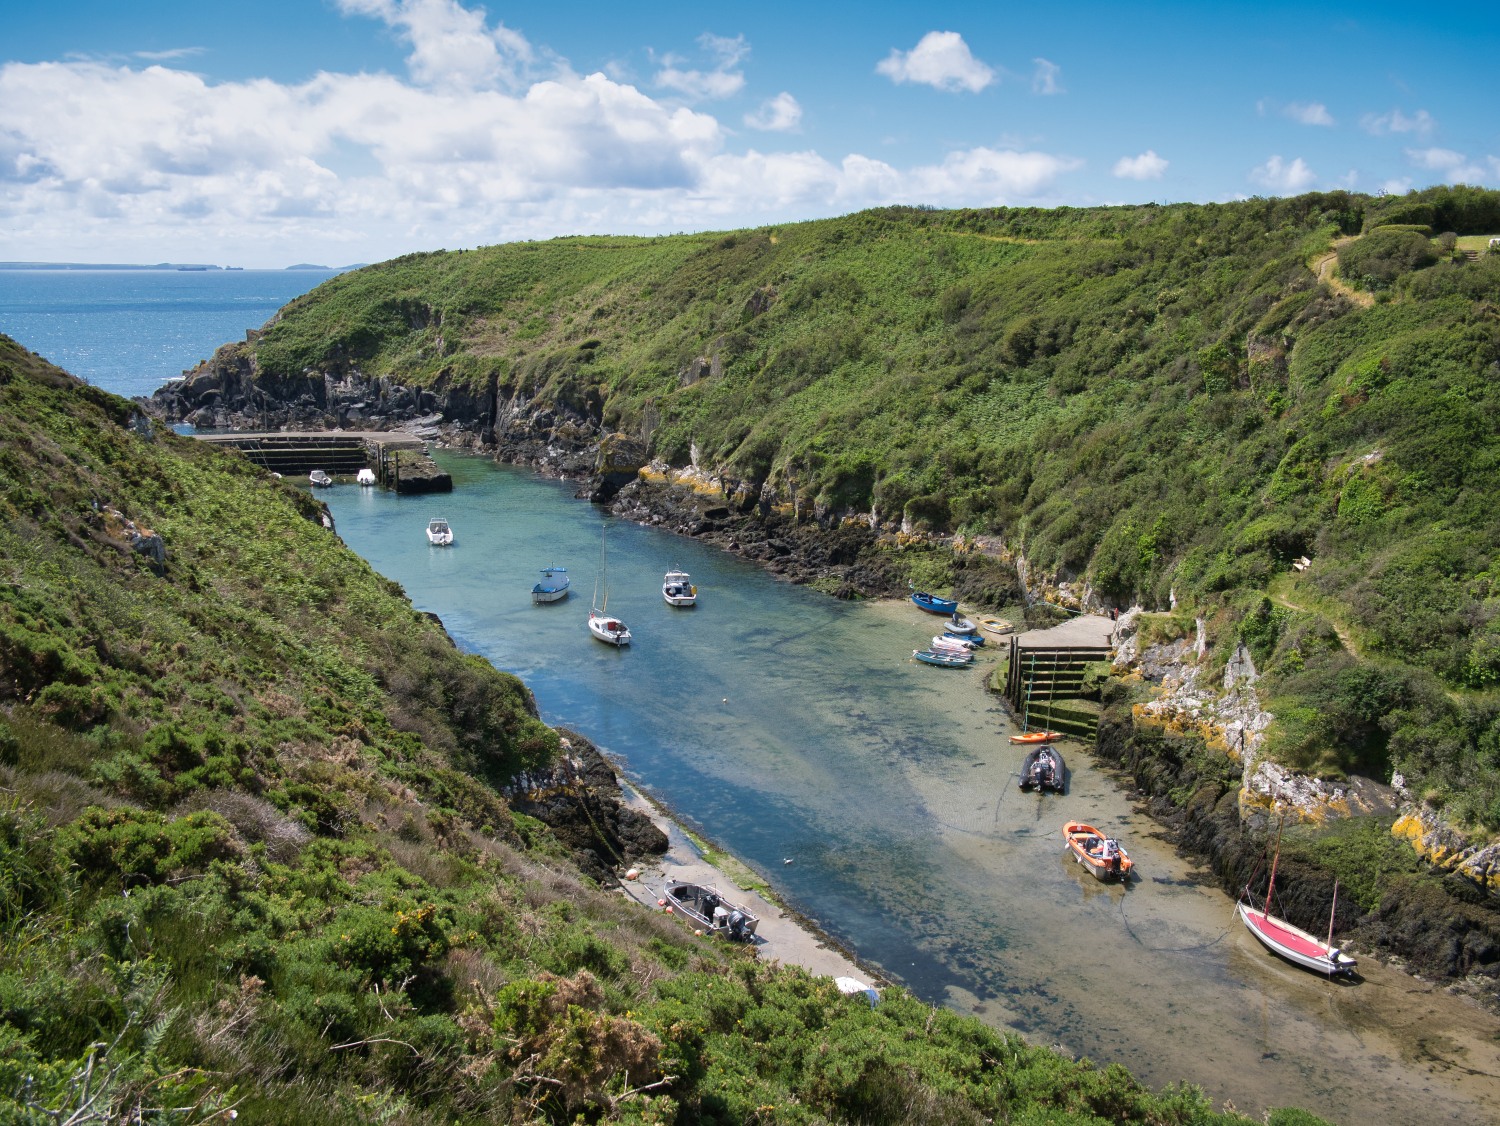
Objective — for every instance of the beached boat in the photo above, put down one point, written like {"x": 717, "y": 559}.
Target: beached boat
{"x": 957, "y": 624}
{"x": 957, "y": 644}
{"x": 607, "y": 629}
{"x": 678, "y": 590}
{"x": 1293, "y": 943}
{"x": 553, "y": 585}
{"x": 365, "y": 476}
{"x": 997, "y": 626}
{"x": 973, "y": 640}
{"x": 1027, "y": 737}
{"x": 704, "y": 905}
{"x": 1043, "y": 769}
{"x": 1102, "y": 855}
{"x": 944, "y": 658}
{"x": 319, "y": 479}
{"x": 933, "y": 604}
{"x": 439, "y": 532}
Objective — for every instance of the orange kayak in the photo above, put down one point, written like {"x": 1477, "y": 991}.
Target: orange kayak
{"x": 1100, "y": 854}
{"x": 1036, "y": 737}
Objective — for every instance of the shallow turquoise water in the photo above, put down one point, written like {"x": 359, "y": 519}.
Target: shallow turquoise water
{"x": 786, "y": 725}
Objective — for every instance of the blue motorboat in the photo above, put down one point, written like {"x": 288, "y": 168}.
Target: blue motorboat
{"x": 933, "y": 604}
{"x": 554, "y": 585}
{"x": 974, "y": 640}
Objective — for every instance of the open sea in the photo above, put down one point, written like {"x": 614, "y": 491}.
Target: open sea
{"x": 785, "y": 725}
{"x": 129, "y": 331}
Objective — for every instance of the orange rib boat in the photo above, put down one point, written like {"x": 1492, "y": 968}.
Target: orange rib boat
{"x": 1100, "y": 854}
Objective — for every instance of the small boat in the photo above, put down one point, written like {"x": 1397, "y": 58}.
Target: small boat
{"x": 609, "y": 630}
{"x": 320, "y": 479}
{"x": 1102, "y": 855}
{"x": 997, "y": 626}
{"x": 972, "y": 640}
{"x": 1025, "y": 737}
{"x": 943, "y": 659}
{"x": 933, "y": 604}
{"x": 956, "y": 624}
{"x": 1293, "y": 943}
{"x": 704, "y": 905}
{"x": 678, "y": 589}
{"x": 365, "y": 476}
{"x": 553, "y": 585}
{"x": 945, "y": 644}
{"x": 1043, "y": 769}
{"x": 439, "y": 533}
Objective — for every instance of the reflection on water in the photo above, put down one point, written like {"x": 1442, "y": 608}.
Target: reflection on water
{"x": 789, "y": 726}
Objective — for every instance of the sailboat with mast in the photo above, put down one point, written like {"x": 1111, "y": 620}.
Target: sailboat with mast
{"x": 607, "y": 629}
{"x": 1292, "y": 943}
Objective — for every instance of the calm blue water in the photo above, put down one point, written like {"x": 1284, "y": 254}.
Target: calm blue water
{"x": 787, "y": 725}
{"x": 129, "y": 331}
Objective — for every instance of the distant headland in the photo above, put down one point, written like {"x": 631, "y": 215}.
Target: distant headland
{"x": 194, "y": 267}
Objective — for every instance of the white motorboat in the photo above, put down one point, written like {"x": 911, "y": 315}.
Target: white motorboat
{"x": 439, "y": 532}
{"x": 319, "y": 479}
{"x": 553, "y": 585}
{"x": 365, "y": 476}
{"x": 678, "y": 589}
{"x": 704, "y": 905}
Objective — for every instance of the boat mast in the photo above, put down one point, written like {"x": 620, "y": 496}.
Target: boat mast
{"x": 1332, "y": 910}
{"x": 1271, "y": 887}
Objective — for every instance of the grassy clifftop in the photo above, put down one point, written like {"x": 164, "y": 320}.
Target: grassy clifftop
{"x": 253, "y": 859}
{"x": 1168, "y": 403}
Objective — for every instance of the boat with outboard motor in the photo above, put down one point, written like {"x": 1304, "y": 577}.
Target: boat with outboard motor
{"x": 944, "y": 658}
{"x": 1102, "y": 855}
{"x": 1043, "y": 769}
{"x": 705, "y": 905}
{"x": 319, "y": 479}
{"x": 439, "y": 532}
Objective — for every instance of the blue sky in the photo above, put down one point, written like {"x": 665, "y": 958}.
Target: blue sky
{"x": 340, "y": 131}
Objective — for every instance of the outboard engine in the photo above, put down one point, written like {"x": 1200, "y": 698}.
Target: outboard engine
{"x": 737, "y": 925}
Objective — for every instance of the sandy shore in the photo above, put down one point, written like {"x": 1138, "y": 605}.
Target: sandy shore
{"x": 781, "y": 936}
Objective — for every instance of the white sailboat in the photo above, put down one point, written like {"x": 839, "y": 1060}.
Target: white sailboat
{"x": 607, "y": 629}
{"x": 1293, "y": 943}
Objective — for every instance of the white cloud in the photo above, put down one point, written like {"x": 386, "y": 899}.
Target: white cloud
{"x": 941, "y": 59}
{"x": 1282, "y": 177}
{"x": 1308, "y": 113}
{"x": 701, "y": 85}
{"x": 1396, "y": 187}
{"x": 1455, "y": 167}
{"x": 780, "y": 114}
{"x": 451, "y": 48}
{"x": 1377, "y": 125}
{"x": 1147, "y": 166}
{"x": 1046, "y": 78}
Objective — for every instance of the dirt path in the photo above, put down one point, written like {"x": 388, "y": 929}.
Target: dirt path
{"x": 1322, "y": 267}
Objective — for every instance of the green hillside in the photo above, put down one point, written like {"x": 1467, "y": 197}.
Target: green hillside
{"x": 1163, "y": 402}
{"x": 254, "y": 861}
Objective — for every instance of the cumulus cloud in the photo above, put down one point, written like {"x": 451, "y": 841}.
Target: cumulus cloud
{"x": 721, "y": 81}
{"x": 941, "y": 59}
{"x": 1147, "y": 166}
{"x": 145, "y": 163}
{"x": 1279, "y": 176}
{"x": 1456, "y": 168}
{"x": 1378, "y": 125}
{"x": 1308, "y": 113}
{"x": 451, "y": 47}
{"x": 1046, "y": 79}
{"x": 780, "y": 114}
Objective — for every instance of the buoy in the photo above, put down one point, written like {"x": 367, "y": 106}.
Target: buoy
{"x": 633, "y": 873}
{"x": 699, "y": 932}
{"x": 661, "y": 902}
{"x": 669, "y": 910}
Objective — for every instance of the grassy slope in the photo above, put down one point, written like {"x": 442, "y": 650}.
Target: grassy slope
{"x": 1158, "y": 400}
{"x": 251, "y": 856}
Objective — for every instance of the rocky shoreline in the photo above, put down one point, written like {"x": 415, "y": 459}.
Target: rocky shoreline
{"x": 1194, "y": 779}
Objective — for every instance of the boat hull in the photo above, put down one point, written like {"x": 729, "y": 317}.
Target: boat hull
{"x": 933, "y": 604}
{"x": 538, "y": 594}
{"x": 677, "y": 589}
{"x": 704, "y": 905}
{"x": 1084, "y": 842}
{"x": 1295, "y": 944}
{"x": 1026, "y": 738}
{"x": 943, "y": 660}
{"x": 1043, "y": 769}
{"x": 609, "y": 630}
